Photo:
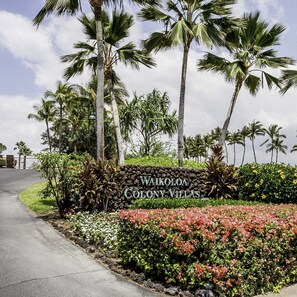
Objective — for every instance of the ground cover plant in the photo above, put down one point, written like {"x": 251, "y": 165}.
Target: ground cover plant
{"x": 184, "y": 203}
{"x": 239, "y": 250}
{"x": 97, "y": 228}
{"x": 271, "y": 182}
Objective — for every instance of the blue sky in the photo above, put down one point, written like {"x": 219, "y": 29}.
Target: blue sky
{"x": 30, "y": 65}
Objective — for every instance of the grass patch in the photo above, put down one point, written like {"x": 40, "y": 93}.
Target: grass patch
{"x": 32, "y": 199}
{"x": 163, "y": 161}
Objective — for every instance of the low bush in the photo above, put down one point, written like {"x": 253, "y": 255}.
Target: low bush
{"x": 3, "y": 163}
{"x": 99, "y": 229}
{"x": 271, "y": 182}
{"x": 239, "y": 250}
{"x": 221, "y": 179}
{"x": 98, "y": 183}
{"x": 184, "y": 203}
{"x": 163, "y": 161}
{"x": 60, "y": 172}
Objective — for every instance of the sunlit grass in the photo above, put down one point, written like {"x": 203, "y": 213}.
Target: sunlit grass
{"x": 32, "y": 199}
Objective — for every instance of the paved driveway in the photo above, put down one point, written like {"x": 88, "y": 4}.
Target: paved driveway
{"x": 36, "y": 261}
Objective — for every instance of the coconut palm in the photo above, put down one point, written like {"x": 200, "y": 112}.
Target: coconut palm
{"x": 256, "y": 129}
{"x": 44, "y": 112}
{"x": 185, "y": 22}
{"x": 273, "y": 142}
{"x": 245, "y": 131}
{"x": 279, "y": 147}
{"x": 62, "y": 95}
{"x": 71, "y": 7}
{"x": 115, "y": 30}
{"x": 289, "y": 79}
{"x": 235, "y": 138}
{"x": 251, "y": 46}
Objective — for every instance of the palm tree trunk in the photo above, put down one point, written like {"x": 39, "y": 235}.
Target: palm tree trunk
{"x": 48, "y": 136}
{"x": 271, "y": 159}
{"x": 24, "y": 164}
{"x": 116, "y": 122}
{"x": 254, "y": 152}
{"x": 181, "y": 110}
{"x": 60, "y": 127}
{"x": 276, "y": 156}
{"x": 226, "y": 150}
{"x": 97, "y": 7}
{"x": 243, "y": 154}
{"x": 234, "y": 152}
{"x": 230, "y": 111}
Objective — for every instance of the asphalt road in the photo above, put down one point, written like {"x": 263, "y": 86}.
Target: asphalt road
{"x": 35, "y": 261}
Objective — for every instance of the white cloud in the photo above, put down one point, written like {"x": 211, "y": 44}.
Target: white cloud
{"x": 14, "y": 123}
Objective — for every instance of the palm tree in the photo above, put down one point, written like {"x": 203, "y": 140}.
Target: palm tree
{"x": 148, "y": 115}
{"x": 252, "y": 47}
{"x": 256, "y": 129}
{"x": 115, "y": 30}
{"x": 44, "y": 112}
{"x": 279, "y": 147}
{"x": 245, "y": 132}
{"x": 273, "y": 142}
{"x": 63, "y": 94}
{"x": 289, "y": 79}
{"x": 71, "y": 7}
{"x": 235, "y": 138}
{"x": 185, "y": 21}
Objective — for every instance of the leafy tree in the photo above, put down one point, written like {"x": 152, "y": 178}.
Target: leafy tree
{"x": 185, "y": 22}
{"x": 115, "y": 30}
{"x": 251, "y": 46}
{"x": 148, "y": 116}
{"x": 2, "y": 148}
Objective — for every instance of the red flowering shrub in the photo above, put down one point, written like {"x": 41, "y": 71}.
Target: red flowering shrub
{"x": 240, "y": 250}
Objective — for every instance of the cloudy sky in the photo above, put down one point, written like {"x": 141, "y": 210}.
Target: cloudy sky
{"x": 30, "y": 65}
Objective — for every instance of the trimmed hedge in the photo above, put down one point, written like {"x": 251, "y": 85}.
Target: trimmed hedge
{"x": 184, "y": 203}
{"x": 239, "y": 250}
{"x": 271, "y": 182}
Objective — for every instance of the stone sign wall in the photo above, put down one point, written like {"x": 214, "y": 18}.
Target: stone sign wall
{"x": 158, "y": 182}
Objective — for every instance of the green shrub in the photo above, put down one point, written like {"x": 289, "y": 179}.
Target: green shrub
{"x": 238, "y": 250}
{"x": 98, "y": 182}
{"x": 3, "y": 163}
{"x": 271, "y": 182}
{"x": 163, "y": 161}
{"x": 183, "y": 203}
{"x": 60, "y": 172}
{"x": 220, "y": 178}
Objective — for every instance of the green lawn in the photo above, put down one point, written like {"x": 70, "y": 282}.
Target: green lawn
{"x": 31, "y": 198}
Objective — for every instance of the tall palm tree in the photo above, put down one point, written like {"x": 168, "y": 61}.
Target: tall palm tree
{"x": 273, "y": 142}
{"x": 235, "y": 138}
{"x": 115, "y": 30}
{"x": 71, "y": 7}
{"x": 44, "y": 112}
{"x": 245, "y": 131}
{"x": 252, "y": 47}
{"x": 279, "y": 146}
{"x": 185, "y": 22}
{"x": 255, "y": 129}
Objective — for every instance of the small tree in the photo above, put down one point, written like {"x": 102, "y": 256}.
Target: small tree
{"x": 148, "y": 116}
{"x": 2, "y": 148}
{"x": 23, "y": 150}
